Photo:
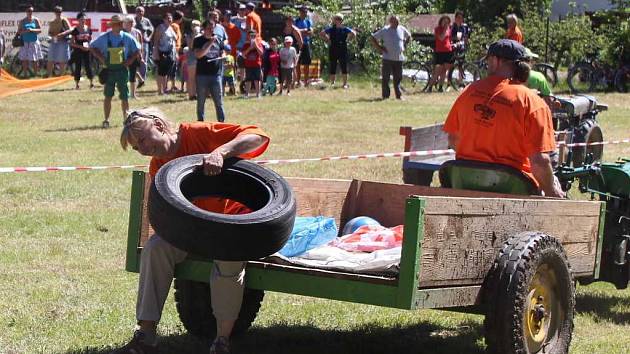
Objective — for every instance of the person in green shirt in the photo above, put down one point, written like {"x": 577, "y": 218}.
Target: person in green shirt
{"x": 537, "y": 80}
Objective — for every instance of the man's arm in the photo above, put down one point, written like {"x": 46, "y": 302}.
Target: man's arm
{"x": 242, "y": 144}
{"x": 542, "y": 171}
{"x": 201, "y": 52}
{"x": 376, "y": 45}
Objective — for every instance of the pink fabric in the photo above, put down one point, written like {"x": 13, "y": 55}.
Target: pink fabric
{"x": 370, "y": 238}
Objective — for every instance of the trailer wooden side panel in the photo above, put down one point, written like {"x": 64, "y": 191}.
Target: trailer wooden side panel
{"x": 464, "y": 235}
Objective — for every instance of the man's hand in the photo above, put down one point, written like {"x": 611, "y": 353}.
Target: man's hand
{"x": 383, "y": 50}
{"x": 212, "y": 163}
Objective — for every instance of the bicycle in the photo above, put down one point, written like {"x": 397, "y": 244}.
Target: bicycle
{"x": 416, "y": 75}
{"x": 462, "y": 73}
{"x": 590, "y": 74}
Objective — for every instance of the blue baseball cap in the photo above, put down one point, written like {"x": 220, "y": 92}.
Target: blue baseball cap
{"x": 507, "y": 49}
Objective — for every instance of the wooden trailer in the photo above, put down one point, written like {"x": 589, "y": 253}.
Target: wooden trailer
{"x": 458, "y": 248}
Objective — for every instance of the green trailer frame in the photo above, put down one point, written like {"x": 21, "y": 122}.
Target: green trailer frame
{"x": 407, "y": 290}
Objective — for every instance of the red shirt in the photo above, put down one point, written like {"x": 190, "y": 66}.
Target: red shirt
{"x": 443, "y": 45}
{"x": 203, "y": 138}
{"x": 253, "y": 59}
{"x": 274, "y": 64}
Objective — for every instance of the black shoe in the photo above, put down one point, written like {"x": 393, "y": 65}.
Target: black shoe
{"x": 137, "y": 346}
{"x": 440, "y": 89}
{"x": 140, "y": 84}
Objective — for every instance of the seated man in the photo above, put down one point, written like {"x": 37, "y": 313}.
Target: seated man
{"x": 498, "y": 120}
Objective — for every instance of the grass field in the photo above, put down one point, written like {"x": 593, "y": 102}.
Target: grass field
{"x": 62, "y": 235}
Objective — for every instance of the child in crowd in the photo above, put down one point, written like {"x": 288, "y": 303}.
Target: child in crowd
{"x": 182, "y": 72}
{"x": 273, "y": 68}
{"x": 252, "y": 52}
{"x": 288, "y": 60}
{"x": 229, "y": 68}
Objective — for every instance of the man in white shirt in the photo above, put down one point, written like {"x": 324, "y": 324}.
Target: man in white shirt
{"x": 394, "y": 39}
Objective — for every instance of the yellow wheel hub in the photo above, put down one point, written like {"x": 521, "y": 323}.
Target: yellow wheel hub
{"x": 541, "y": 317}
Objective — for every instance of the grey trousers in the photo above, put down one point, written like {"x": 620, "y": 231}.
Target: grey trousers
{"x": 393, "y": 68}
{"x": 157, "y": 267}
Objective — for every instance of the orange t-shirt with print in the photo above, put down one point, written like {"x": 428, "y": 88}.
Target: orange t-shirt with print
{"x": 234, "y": 36}
{"x": 501, "y": 121}
{"x": 515, "y": 35}
{"x": 203, "y": 138}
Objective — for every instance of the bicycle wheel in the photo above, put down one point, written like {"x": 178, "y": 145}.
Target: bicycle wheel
{"x": 461, "y": 76}
{"x": 549, "y": 71}
{"x": 416, "y": 77}
{"x": 622, "y": 79}
{"x": 581, "y": 78}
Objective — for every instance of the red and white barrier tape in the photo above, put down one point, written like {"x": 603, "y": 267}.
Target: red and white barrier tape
{"x": 275, "y": 162}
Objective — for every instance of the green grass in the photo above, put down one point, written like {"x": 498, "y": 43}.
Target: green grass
{"x": 62, "y": 235}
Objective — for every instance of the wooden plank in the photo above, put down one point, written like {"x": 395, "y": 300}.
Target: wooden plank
{"x": 448, "y": 297}
{"x": 427, "y": 138}
{"x": 464, "y": 235}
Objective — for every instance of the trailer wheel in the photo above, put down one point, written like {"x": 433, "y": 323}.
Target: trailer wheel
{"x": 530, "y": 297}
{"x": 194, "y": 307}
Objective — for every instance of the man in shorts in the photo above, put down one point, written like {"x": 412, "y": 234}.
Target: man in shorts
{"x": 304, "y": 24}
{"x": 116, "y": 50}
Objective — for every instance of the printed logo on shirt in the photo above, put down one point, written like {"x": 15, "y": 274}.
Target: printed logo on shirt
{"x": 213, "y": 52}
{"x": 486, "y": 114}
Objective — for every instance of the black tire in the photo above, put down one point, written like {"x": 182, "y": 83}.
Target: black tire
{"x": 581, "y": 78}
{"x": 226, "y": 237}
{"x": 549, "y": 71}
{"x": 622, "y": 79}
{"x": 587, "y": 132}
{"x": 416, "y": 77}
{"x": 515, "y": 305}
{"x": 194, "y": 307}
{"x": 471, "y": 74}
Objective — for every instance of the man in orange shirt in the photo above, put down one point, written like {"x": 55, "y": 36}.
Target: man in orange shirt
{"x": 513, "y": 32}
{"x": 252, "y": 20}
{"x": 150, "y": 133}
{"x": 498, "y": 120}
{"x": 233, "y": 32}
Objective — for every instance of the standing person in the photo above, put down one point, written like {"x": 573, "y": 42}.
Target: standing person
{"x": 288, "y": 61}
{"x": 209, "y": 51}
{"x": 234, "y": 33}
{"x": 460, "y": 34}
{"x": 513, "y": 32}
{"x": 151, "y": 133}
{"x": 191, "y": 60}
{"x": 443, "y": 53}
{"x": 240, "y": 22}
{"x": 292, "y": 31}
{"x": 3, "y": 48}
{"x": 146, "y": 27}
{"x": 395, "y": 38}
{"x": 116, "y": 50}
{"x": 81, "y": 37}
{"x": 252, "y": 52}
{"x": 273, "y": 68}
{"x": 229, "y": 70}
{"x": 337, "y": 38}
{"x": 58, "y": 50}
{"x": 129, "y": 27}
{"x": 498, "y": 120}
{"x": 252, "y": 20}
{"x": 178, "y": 21}
{"x": 31, "y": 52}
{"x": 306, "y": 30}
{"x": 219, "y": 30}
{"x": 164, "y": 51}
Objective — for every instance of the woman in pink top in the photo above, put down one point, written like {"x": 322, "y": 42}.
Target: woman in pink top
{"x": 443, "y": 53}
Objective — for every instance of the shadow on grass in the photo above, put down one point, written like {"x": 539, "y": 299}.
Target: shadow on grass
{"x": 368, "y": 99}
{"x": 601, "y": 307}
{"x": 285, "y": 339}
{"x": 74, "y": 129}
